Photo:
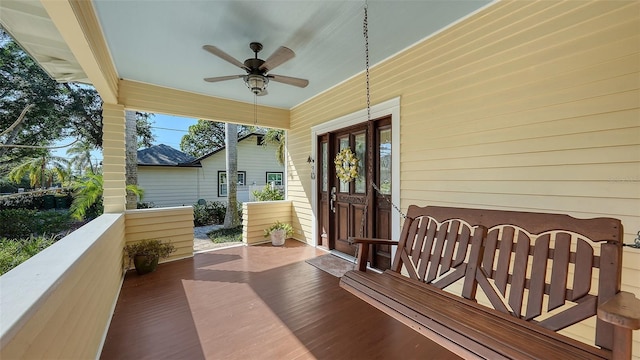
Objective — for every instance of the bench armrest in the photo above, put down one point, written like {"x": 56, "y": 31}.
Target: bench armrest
{"x": 354, "y": 240}
{"x": 621, "y": 310}
{"x": 363, "y": 249}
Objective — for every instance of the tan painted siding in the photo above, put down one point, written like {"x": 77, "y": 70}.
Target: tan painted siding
{"x": 169, "y": 186}
{"x": 525, "y": 106}
{"x": 145, "y": 97}
{"x": 255, "y": 160}
{"x": 71, "y": 318}
{"x": 113, "y": 151}
{"x": 257, "y": 216}
{"x": 173, "y": 225}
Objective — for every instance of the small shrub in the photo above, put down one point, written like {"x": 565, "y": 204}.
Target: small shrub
{"x": 17, "y": 223}
{"x": 145, "y": 205}
{"x": 268, "y": 194}
{"x": 226, "y": 235}
{"x": 52, "y": 221}
{"x": 212, "y": 212}
{"x": 15, "y": 252}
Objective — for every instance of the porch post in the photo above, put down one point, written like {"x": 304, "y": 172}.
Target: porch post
{"x": 113, "y": 164}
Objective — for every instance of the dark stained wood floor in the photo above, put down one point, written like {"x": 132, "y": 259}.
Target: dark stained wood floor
{"x": 257, "y": 302}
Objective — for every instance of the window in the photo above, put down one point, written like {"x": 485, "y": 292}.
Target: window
{"x": 275, "y": 177}
{"x": 222, "y": 181}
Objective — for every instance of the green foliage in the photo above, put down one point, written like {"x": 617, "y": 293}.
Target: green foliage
{"x": 34, "y": 199}
{"x": 21, "y": 223}
{"x": 16, "y": 223}
{"x": 42, "y": 171}
{"x": 143, "y": 130}
{"x": 15, "y": 252}
{"x": 145, "y": 205}
{"x": 52, "y": 221}
{"x": 212, "y": 212}
{"x": 87, "y": 202}
{"x": 226, "y": 235}
{"x": 149, "y": 247}
{"x": 60, "y": 109}
{"x": 288, "y": 229}
{"x": 205, "y": 137}
{"x": 80, "y": 153}
{"x": 268, "y": 194}
{"x": 275, "y": 137}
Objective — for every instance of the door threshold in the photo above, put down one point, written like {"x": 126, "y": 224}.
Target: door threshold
{"x": 343, "y": 256}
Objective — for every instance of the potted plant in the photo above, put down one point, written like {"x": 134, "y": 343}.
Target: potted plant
{"x": 278, "y": 232}
{"x": 146, "y": 253}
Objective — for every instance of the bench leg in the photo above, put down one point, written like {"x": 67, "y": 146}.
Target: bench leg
{"x": 363, "y": 256}
{"x": 621, "y": 343}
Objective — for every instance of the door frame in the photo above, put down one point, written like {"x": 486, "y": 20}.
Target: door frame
{"x": 387, "y": 108}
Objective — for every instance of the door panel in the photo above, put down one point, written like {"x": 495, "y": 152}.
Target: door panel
{"x": 350, "y": 214}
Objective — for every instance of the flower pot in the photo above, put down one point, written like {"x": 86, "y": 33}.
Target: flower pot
{"x": 278, "y": 237}
{"x": 145, "y": 263}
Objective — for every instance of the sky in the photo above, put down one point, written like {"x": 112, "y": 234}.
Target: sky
{"x": 167, "y": 130}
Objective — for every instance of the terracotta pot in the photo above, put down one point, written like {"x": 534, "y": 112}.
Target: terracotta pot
{"x": 278, "y": 237}
{"x": 145, "y": 263}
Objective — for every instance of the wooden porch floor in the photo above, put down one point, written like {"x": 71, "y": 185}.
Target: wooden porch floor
{"x": 257, "y": 302}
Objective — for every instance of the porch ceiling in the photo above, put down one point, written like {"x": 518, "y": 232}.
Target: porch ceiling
{"x": 160, "y": 43}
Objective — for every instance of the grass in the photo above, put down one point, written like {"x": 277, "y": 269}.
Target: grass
{"x": 226, "y": 235}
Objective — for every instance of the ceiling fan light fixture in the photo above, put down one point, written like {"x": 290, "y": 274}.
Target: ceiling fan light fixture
{"x": 256, "y": 83}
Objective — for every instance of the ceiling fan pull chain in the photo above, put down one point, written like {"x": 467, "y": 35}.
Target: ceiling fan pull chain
{"x": 255, "y": 109}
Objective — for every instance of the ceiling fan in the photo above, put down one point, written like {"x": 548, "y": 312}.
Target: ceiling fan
{"x": 257, "y": 76}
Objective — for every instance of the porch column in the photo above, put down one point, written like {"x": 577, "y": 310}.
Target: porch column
{"x": 113, "y": 164}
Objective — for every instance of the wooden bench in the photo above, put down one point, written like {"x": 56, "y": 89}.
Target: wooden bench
{"x": 539, "y": 273}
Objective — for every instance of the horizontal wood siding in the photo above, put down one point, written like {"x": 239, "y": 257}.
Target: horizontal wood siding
{"x": 253, "y": 159}
{"x": 173, "y": 225}
{"x": 169, "y": 186}
{"x": 71, "y": 317}
{"x": 524, "y": 105}
{"x": 257, "y": 216}
{"x": 145, "y": 97}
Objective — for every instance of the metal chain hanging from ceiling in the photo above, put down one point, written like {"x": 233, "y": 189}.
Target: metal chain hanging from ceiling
{"x": 368, "y": 178}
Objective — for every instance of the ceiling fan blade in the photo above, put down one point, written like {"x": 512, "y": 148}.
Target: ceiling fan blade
{"x": 289, "y": 80}
{"x": 224, "y": 56}
{"x": 279, "y": 57}
{"x": 222, "y": 78}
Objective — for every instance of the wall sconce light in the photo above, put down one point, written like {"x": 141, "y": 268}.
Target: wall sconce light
{"x": 310, "y": 161}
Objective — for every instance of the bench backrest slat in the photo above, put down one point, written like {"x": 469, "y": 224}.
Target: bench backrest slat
{"x": 436, "y": 252}
{"x": 531, "y": 264}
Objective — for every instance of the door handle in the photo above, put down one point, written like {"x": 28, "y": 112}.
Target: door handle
{"x": 332, "y": 199}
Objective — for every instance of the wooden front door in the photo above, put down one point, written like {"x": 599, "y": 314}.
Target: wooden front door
{"x": 354, "y": 208}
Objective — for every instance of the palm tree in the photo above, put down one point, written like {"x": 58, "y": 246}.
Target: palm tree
{"x": 88, "y": 195}
{"x": 231, "y": 218}
{"x": 41, "y": 170}
{"x": 81, "y": 156}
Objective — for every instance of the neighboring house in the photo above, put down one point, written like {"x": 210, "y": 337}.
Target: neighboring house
{"x": 170, "y": 177}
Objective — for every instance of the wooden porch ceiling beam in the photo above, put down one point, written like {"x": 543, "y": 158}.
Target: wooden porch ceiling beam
{"x": 77, "y": 23}
{"x": 152, "y": 98}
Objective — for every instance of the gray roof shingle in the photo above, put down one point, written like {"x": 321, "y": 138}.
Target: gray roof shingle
{"x": 164, "y": 155}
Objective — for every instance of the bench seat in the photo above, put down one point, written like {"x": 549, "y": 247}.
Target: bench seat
{"x": 480, "y": 330}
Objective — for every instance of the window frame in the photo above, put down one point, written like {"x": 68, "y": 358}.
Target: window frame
{"x": 275, "y": 172}
{"x": 220, "y": 183}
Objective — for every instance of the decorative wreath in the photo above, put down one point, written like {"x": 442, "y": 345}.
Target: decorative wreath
{"x": 346, "y": 165}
